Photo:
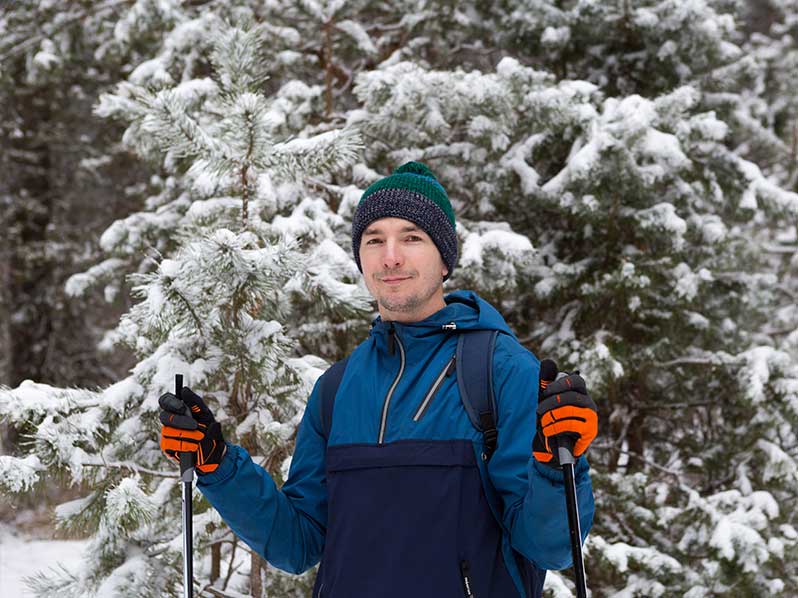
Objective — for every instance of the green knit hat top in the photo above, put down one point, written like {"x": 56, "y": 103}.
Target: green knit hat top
{"x": 415, "y": 176}
{"x": 411, "y": 192}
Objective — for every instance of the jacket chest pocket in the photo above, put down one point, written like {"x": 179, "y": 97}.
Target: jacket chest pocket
{"x": 447, "y": 371}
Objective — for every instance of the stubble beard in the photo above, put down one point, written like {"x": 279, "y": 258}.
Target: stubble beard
{"x": 408, "y": 304}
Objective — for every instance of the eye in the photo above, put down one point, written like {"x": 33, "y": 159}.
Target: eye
{"x": 413, "y": 238}
{"x": 373, "y": 241}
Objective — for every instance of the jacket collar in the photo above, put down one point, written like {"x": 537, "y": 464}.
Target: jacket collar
{"x": 464, "y": 310}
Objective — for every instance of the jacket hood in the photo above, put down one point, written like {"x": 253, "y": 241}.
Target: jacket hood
{"x": 465, "y": 309}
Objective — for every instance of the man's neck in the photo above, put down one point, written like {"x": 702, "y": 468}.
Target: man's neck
{"x": 411, "y": 317}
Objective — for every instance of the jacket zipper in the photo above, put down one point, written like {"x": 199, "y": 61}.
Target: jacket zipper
{"x": 447, "y": 371}
{"x": 466, "y": 577}
{"x": 384, "y": 419}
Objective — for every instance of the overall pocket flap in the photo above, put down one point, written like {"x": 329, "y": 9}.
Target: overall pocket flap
{"x": 402, "y": 453}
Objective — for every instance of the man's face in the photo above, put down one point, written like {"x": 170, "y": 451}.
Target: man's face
{"x": 403, "y": 270}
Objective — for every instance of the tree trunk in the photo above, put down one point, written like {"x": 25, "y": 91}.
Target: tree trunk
{"x": 328, "y": 68}
{"x": 5, "y": 293}
{"x": 216, "y": 561}
{"x": 255, "y": 579}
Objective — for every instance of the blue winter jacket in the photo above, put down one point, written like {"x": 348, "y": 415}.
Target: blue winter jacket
{"x": 398, "y": 503}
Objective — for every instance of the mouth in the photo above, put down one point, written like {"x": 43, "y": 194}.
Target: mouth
{"x": 394, "y": 280}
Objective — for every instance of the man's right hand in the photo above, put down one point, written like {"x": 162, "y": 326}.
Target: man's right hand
{"x": 188, "y": 426}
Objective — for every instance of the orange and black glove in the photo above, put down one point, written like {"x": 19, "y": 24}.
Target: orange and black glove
{"x": 566, "y": 415}
{"x": 189, "y": 427}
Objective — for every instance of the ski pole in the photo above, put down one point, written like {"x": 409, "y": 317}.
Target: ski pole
{"x": 565, "y": 455}
{"x": 186, "y": 478}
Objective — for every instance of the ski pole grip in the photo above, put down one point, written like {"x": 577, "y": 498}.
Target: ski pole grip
{"x": 565, "y": 449}
{"x": 186, "y": 459}
{"x": 187, "y": 465}
{"x": 564, "y": 443}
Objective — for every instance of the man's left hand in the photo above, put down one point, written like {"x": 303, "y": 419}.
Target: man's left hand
{"x": 565, "y": 413}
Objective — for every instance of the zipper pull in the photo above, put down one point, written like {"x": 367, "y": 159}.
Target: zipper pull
{"x": 466, "y": 579}
{"x": 391, "y": 340}
{"x": 449, "y": 326}
{"x": 452, "y": 366}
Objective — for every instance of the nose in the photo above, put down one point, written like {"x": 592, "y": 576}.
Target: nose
{"x": 392, "y": 255}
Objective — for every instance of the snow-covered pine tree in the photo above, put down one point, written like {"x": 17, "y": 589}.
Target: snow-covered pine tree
{"x": 223, "y": 258}
{"x": 696, "y": 477}
{"x": 649, "y": 276}
{"x": 59, "y": 163}
{"x": 773, "y": 106}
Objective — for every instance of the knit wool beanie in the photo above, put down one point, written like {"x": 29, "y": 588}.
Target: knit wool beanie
{"x": 413, "y": 193}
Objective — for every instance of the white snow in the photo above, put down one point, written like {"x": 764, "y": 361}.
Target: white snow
{"x": 556, "y": 36}
{"x": 210, "y": 208}
{"x": 22, "y": 556}
{"x": 516, "y": 160}
{"x": 508, "y": 243}
{"x": 620, "y": 554}
{"x": 666, "y": 147}
{"x": 47, "y": 57}
{"x": 687, "y": 281}
{"x": 77, "y": 284}
{"x": 19, "y": 474}
{"x": 359, "y": 34}
{"x": 762, "y": 364}
{"x": 152, "y": 72}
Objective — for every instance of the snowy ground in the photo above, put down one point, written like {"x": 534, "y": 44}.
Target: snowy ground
{"x": 23, "y": 556}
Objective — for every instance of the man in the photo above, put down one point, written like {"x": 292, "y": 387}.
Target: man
{"x": 398, "y": 496}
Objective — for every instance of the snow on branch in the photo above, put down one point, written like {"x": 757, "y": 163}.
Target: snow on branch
{"x": 78, "y": 284}
{"x": 19, "y": 475}
{"x": 326, "y": 152}
{"x": 31, "y": 401}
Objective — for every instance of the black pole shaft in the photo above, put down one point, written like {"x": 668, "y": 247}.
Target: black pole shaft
{"x": 186, "y": 479}
{"x": 564, "y": 447}
{"x": 575, "y": 530}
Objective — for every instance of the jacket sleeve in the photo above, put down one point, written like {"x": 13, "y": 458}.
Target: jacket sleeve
{"x": 286, "y": 526}
{"x": 532, "y": 495}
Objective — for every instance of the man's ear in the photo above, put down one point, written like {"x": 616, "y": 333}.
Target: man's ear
{"x": 444, "y": 272}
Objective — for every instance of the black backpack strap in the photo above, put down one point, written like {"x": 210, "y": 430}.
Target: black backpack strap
{"x": 474, "y": 363}
{"x": 328, "y": 387}
{"x": 474, "y": 360}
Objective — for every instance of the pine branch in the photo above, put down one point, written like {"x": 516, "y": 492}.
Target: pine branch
{"x": 130, "y": 466}
{"x": 60, "y": 583}
{"x": 676, "y": 474}
{"x": 181, "y": 133}
{"x": 684, "y": 405}
{"x": 197, "y": 321}
{"x": 216, "y": 592}
{"x": 709, "y": 361}
{"x": 322, "y": 153}
{"x": 230, "y": 568}
{"x": 327, "y": 53}
{"x": 33, "y": 40}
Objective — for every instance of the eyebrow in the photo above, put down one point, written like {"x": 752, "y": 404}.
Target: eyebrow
{"x": 374, "y": 230}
